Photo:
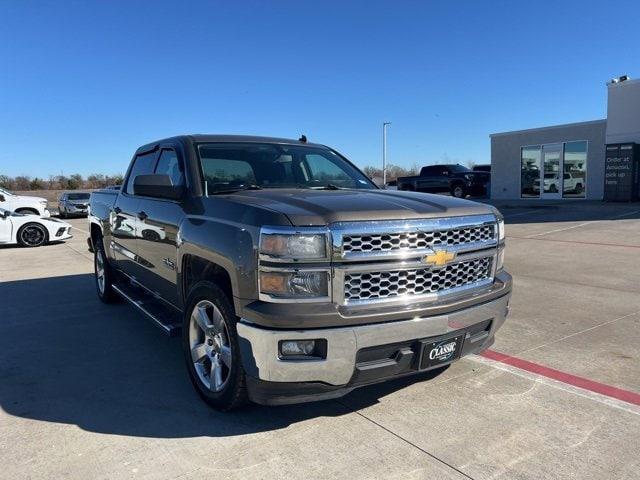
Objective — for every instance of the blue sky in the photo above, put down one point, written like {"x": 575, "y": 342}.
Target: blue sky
{"x": 82, "y": 84}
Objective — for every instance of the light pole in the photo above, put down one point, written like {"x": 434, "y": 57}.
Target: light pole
{"x": 384, "y": 152}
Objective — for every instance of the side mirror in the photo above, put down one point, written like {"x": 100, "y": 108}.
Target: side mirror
{"x": 5, "y": 214}
{"x": 157, "y": 186}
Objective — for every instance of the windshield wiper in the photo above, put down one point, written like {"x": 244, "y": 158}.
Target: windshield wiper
{"x": 250, "y": 186}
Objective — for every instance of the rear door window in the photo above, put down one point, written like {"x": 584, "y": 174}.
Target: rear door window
{"x": 142, "y": 165}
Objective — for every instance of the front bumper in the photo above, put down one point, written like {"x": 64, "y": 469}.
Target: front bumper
{"x": 357, "y": 355}
{"x": 75, "y": 210}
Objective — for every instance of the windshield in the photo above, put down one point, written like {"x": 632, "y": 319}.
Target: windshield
{"x": 236, "y": 166}
{"x": 78, "y": 196}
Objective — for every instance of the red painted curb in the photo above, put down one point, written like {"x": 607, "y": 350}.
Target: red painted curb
{"x": 580, "y": 382}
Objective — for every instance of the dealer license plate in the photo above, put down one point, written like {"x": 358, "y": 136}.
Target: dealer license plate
{"x": 441, "y": 351}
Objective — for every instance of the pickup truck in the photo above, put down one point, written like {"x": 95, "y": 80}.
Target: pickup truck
{"x": 457, "y": 180}
{"x": 290, "y": 276}
{"x": 23, "y": 204}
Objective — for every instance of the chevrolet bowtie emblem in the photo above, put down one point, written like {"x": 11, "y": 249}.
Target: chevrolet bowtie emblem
{"x": 440, "y": 257}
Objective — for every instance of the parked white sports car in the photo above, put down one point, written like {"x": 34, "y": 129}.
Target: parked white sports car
{"x": 31, "y": 230}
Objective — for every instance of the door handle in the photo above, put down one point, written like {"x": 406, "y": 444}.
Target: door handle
{"x": 142, "y": 216}
{"x": 117, "y": 210}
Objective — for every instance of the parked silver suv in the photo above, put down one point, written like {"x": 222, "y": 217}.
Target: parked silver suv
{"x": 73, "y": 203}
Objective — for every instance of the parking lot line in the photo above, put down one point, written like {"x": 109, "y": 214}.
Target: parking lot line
{"x": 563, "y": 377}
{"x": 615, "y": 217}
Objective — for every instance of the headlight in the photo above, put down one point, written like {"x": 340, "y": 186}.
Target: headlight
{"x": 294, "y": 246}
{"x": 295, "y": 284}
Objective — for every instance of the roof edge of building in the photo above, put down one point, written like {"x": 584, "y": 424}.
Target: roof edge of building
{"x": 550, "y": 127}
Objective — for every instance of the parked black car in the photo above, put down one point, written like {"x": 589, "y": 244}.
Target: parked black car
{"x": 458, "y": 180}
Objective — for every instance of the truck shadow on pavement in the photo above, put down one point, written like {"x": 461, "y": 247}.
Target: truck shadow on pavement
{"x": 67, "y": 358}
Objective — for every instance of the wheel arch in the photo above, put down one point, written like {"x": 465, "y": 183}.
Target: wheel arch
{"x": 33, "y": 211}
{"x": 95, "y": 233}
{"x": 196, "y": 269}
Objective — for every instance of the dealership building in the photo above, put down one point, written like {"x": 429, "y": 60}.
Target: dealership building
{"x": 594, "y": 160}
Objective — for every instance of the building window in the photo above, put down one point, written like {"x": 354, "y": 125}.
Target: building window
{"x": 575, "y": 169}
{"x": 554, "y": 169}
{"x": 529, "y": 171}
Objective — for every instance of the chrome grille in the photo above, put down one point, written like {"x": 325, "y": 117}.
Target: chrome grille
{"x": 389, "y": 242}
{"x": 371, "y": 286}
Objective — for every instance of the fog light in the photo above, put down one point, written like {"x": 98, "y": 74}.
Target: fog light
{"x": 303, "y": 349}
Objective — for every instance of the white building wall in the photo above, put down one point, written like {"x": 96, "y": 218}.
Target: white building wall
{"x": 623, "y": 112}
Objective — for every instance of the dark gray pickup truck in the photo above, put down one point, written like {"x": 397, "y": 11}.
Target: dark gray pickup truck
{"x": 289, "y": 274}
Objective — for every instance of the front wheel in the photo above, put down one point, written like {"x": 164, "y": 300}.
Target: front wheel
{"x": 32, "y": 235}
{"x": 104, "y": 275}
{"x": 211, "y": 350}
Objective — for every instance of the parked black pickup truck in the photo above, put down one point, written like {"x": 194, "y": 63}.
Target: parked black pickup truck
{"x": 458, "y": 180}
{"x": 291, "y": 276}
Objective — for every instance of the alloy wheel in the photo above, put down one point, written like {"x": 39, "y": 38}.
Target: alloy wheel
{"x": 210, "y": 346}
{"x": 100, "y": 274}
{"x": 33, "y": 235}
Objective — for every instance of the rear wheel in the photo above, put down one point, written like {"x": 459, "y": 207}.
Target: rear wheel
{"x": 211, "y": 350}
{"x": 62, "y": 213}
{"x": 32, "y": 235}
{"x": 104, "y": 274}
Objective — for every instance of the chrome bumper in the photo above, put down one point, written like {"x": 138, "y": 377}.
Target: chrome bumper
{"x": 260, "y": 346}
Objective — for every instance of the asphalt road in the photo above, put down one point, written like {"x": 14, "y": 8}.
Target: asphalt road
{"x": 95, "y": 391}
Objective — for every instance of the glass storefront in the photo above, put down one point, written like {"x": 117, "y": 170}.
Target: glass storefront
{"x": 575, "y": 169}
{"x": 557, "y": 170}
{"x": 530, "y": 171}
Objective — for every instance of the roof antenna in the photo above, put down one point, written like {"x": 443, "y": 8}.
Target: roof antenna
{"x": 303, "y": 139}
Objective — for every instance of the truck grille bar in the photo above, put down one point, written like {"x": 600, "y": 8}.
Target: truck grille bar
{"x": 380, "y": 285}
{"x": 416, "y": 240}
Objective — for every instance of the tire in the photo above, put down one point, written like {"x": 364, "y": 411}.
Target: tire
{"x": 104, "y": 274}
{"x": 62, "y": 213}
{"x": 553, "y": 188}
{"x": 211, "y": 348}
{"x": 151, "y": 235}
{"x": 457, "y": 191}
{"x": 579, "y": 188}
{"x": 32, "y": 235}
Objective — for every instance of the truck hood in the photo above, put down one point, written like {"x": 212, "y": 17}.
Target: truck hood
{"x": 322, "y": 207}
